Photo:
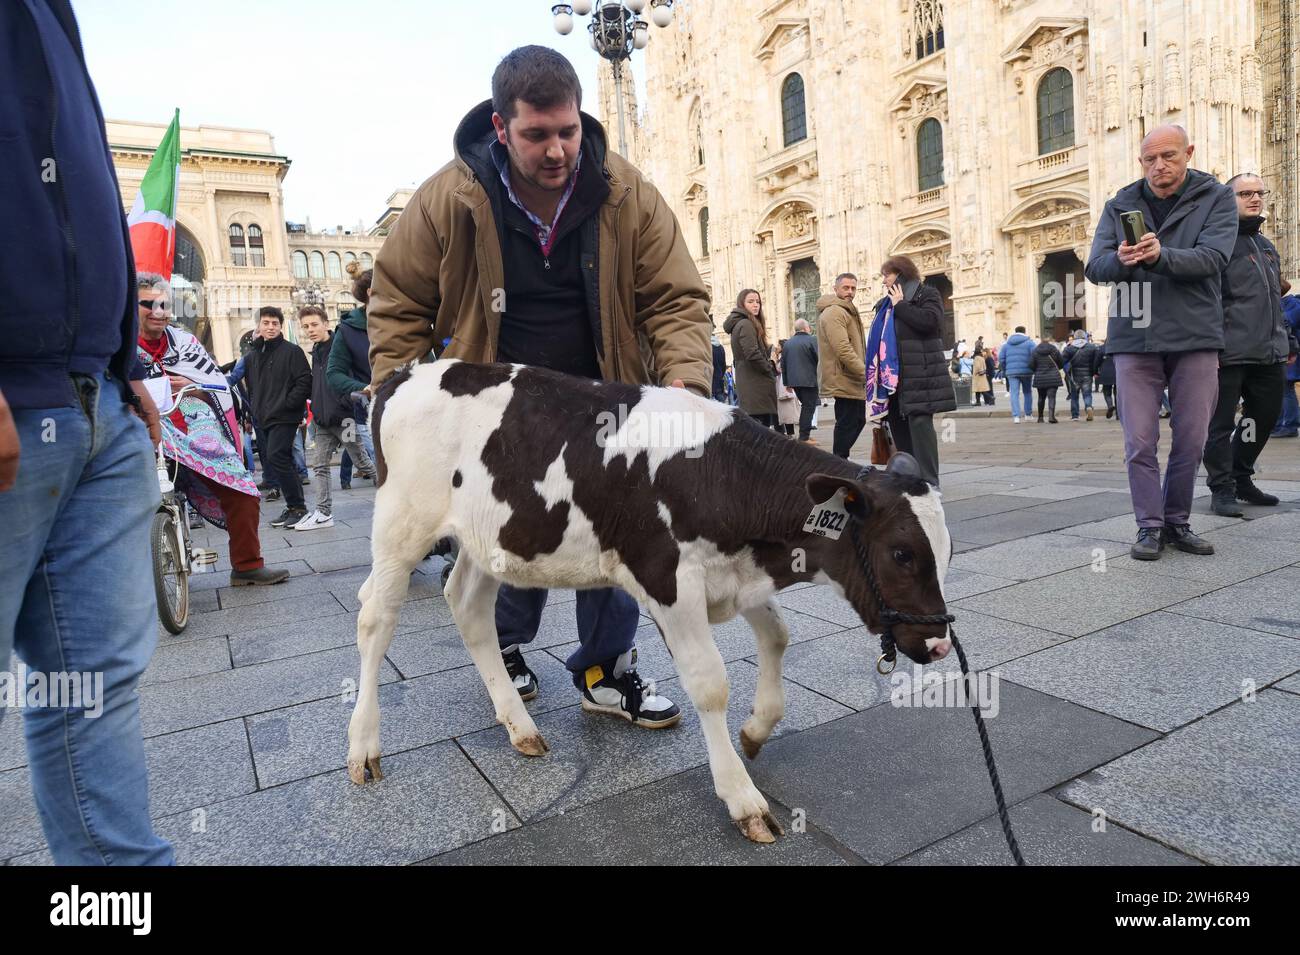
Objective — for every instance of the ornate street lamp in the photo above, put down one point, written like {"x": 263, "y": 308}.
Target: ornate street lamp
{"x": 615, "y": 30}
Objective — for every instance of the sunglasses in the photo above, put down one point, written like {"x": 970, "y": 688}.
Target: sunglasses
{"x": 151, "y": 304}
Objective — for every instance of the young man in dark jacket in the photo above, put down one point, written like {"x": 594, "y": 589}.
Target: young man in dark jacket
{"x": 1252, "y": 368}
{"x": 349, "y": 366}
{"x": 78, "y": 488}
{"x": 1166, "y": 327}
{"x": 334, "y": 418}
{"x": 278, "y": 379}
{"x": 1081, "y": 360}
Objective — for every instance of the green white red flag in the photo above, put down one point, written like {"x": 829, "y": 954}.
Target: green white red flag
{"x": 153, "y": 216}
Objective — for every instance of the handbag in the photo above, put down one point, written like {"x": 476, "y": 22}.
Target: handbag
{"x": 882, "y": 444}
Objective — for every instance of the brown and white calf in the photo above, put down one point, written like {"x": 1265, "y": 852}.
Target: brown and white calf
{"x": 687, "y": 504}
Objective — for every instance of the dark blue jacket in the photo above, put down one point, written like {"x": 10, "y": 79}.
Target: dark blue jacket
{"x": 1016, "y": 356}
{"x": 65, "y": 254}
{"x": 799, "y": 361}
{"x": 1291, "y": 314}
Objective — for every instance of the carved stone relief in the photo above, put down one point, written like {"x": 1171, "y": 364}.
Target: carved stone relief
{"x": 1173, "y": 78}
{"x": 1112, "y": 116}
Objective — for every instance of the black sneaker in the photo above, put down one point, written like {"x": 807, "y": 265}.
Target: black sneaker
{"x": 1149, "y": 544}
{"x": 346, "y": 487}
{"x": 619, "y": 691}
{"x": 289, "y": 516}
{"x": 1181, "y": 537}
{"x": 1224, "y": 503}
{"x": 1247, "y": 492}
{"x": 524, "y": 679}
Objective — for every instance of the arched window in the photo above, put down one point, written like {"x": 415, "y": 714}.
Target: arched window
{"x": 1055, "y": 111}
{"x": 704, "y": 232}
{"x": 237, "y": 248}
{"x": 335, "y": 266}
{"x": 929, "y": 155}
{"x": 927, "y": 27}
{"x": 300, "y": 264}
{"x": 366, "y": 261}
{"x": 256, "y": 252}
{"x": 317, "y": 265}
{"x": 794, "y": 121}
{"x": 348, "y": 258}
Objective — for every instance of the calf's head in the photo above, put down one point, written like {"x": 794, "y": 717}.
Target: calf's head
{"x": 898, "y": 520}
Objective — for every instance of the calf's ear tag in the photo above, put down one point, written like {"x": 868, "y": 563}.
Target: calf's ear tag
{"x": 829, "y": 518}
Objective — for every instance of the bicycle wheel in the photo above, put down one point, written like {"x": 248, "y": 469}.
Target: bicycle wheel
{"x": 171, "y": 583}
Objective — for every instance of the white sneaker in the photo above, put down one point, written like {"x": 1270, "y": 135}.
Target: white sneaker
{"x": 623, "y": 693}
{"x": 1015, "y": 421}
{"x": 314, "y": 521}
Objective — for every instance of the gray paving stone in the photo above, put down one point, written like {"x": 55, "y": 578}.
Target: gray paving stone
{"x": 1124, "y": 527}
{"x": 341, "y": 531}
{"x": 1291, "y": 684}
{"x": 1160, "y": 671}
{"x": 1080, "y": 601}
{"x": 312, "y": 738}
{"x": 289, "y": 611}
{"x": 427, "y": 614}
{"x": 215, "y": 579}
{"x": 1039, "y": 519}
{"x": 20, "y": 825}
{"x": 198, "y": 766}
{"x": 1037, "y": 556}
{"x": 1061, "y": 492}
{"x": 13, "y": 748}
{"x": 1235, "y": 559}
{"x": 843, "y": 666}
{"x": 953, "y": 493}
{"x": 822, "y": 602}
{"x": 1049, "y": 832}
{"x": 281, "y": 641}
{"x": 344, "y": 585}
{"x": 594, "y": 756}
{"x": 1270, "y": 527}
{"x": 1223, "y": 789}
{"x": 420, "y": 651}
{"x": 243, "y": 691}
{"x": 431, "y": 800}
{"x": 961, "y": 582}
{"x": 890, "y": 780}
{"x": 675, "y": 821}
{"x": 985, "y": 505}
{"x": 1269, "y": 602}
{"x": 1009, "y": 477}
{"x": 332, "y": 555}
{"x": 190, "y": 658}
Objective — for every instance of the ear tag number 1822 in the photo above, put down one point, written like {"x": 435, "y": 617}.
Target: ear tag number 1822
{"x": 829, "y": 518}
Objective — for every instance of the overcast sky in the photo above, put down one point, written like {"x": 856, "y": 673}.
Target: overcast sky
{"x": 362, "y": 95}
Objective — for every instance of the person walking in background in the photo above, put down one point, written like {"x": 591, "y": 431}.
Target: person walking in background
{"x": 279, "y": 384}
{"x": 1252, "y": 365}
{"x": 924, "y": 386}
{"x": 1106, "y": 378}
{"x": 333, "y": 419}
{"x": 1016, "y": 358}
{"x": 719, "y": 386}
{"x": 1081, "y": 359}
{"x": 980, "y": 386}
{"x": 787, "y": 402}
{"x": 1166, "y": 326}
{"x": 799, "y": 371}
{"x": 842, "y": 361}
{"x": 1047, "y": 377}
{"x": 348, "y": 372}
{"x": 78, "y": 429}
{"x": 754, "y": 369}
{"x": 1288, "y": 425}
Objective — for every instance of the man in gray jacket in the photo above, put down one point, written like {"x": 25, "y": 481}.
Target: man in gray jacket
{"x": 799, "y": 371}
{"x": 1253, "y": 364}
{"x": 1166, "y": 327}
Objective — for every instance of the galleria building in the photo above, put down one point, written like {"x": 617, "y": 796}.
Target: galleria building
{"x": 979, "y": 137}
{"x": 812, "y": 137}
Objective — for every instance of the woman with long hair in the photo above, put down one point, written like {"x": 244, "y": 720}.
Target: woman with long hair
{"x": 752, "y": 356}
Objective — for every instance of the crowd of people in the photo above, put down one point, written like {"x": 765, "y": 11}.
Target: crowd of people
{"x": 526, "y": 208}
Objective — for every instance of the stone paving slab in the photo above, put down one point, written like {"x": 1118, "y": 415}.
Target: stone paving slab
{"x": 1222, "y": 789}
{"x": 822, "y": 602}
{"x": 1037, "y": 556}
{"x": 189, "y": 658}
{"x": 1124, "y": 527}
{"x": 1290, "y": 685}
{"x": 1049, "y": 832}
{"x": 1063, "y": 491}
{"x": 215, "y": 579}
{"x": 420, "y": 651}
{"x": 1161, "y": 671}
{"x": 279, "y": 642}
{"x": 843, "y": 666}
{"x": 286, "y": 612}
{"x": 311, "y": 738}
{"x": 180, "y": 704}
{"x": 430, "y": 801}
{"x": 1269, "y": 602}
{"x": 593, "y": 756}
{"x": 920, "y": 775}
{"x": 1235, "y": 559}
{"x": 1272, "y": 526}
{"x": 13, "y": 748}
{"x": 985, "y": 505}
{"x": 332, "y": 555}
{"x": 675, "y": 821}
{"x": 20, "y": 825}
{"x": 1039, "y": 519}
{"x": 961, "y": 582}
{"x": 1080, "y": 601}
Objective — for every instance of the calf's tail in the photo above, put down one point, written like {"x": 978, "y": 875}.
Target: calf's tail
{"x": 390, "y": 385}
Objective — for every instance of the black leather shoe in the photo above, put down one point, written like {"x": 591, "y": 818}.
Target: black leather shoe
{"x": 262, "y": 577}
{"x": 1224, "y": 503}
{"x": 1181, "y": 537}
{"x": 1247, "y": 492}
{"x": 1149, "y": 544}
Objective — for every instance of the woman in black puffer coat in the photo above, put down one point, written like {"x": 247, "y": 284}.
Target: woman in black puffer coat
{"x": 1047, "y": 376}
{"x": 924, "y": 385}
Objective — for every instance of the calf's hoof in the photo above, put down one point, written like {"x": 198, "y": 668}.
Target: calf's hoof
{"x": 364, "y": 771}
{"x": 749, "y": 744}
{"x": 762, "y": 829}
{"x": 532, "y": 745}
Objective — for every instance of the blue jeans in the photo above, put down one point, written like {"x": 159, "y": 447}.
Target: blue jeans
{"x": 345, "y": 464}
{"x": 1022, "y": 394}
{"x": 1290, "y": 420}
{"x": 607, "y": 622}
{"x": 1086, "y": 392}
{"x": 77, "y": 597}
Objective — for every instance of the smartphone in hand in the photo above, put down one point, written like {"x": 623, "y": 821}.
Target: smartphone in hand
{"x": 1135, "y": 226}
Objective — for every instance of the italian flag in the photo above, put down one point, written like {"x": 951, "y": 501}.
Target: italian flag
{"x": 153, "y": 216}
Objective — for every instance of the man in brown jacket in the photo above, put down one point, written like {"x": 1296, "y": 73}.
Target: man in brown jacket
{"x": 841, "y": 359}
{"x": 537, "y": 245}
